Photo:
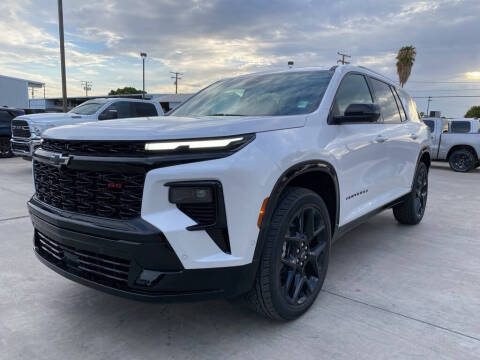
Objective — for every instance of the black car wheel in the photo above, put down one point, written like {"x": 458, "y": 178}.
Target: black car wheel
{"x": 295, "y": 256}
{"x": 411, "y": 211}
{"x": 5, "y": 149}
{"x": 462, "y": 160}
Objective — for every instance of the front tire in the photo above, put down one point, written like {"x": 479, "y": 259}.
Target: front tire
{"x": 5, "y": 149}
{"x": 462, "y": 160}
{"x": 295, "y": 256}
{"x": 411, "y": 211}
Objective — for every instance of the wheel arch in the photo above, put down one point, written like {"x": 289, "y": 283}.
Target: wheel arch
{"x": 460, "y": 147}
{"x": 316, "y": 175}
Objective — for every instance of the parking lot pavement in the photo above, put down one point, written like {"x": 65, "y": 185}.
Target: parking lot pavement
{"x": 392, "y": 291}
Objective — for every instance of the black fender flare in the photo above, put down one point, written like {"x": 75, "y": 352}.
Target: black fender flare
{"x": 282, "y": 182}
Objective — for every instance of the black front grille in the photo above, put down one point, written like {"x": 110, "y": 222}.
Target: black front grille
{"x": 87, "y": 264}
{"x": 20, "y": 128}
{"x": 17, "y": 146}
{"x": 115, "y": 195}
{"x": 95, "y": 148}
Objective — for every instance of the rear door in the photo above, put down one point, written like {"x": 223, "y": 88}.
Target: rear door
{"x": 400, "y": 141}
{"x": 360, "y": 150}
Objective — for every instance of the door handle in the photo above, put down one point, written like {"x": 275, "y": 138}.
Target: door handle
{"x": 380, "y": 139}
{"x": 414, "y": 136}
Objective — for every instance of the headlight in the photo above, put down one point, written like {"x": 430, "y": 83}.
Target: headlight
{"x": 37, "y": 131}
{"x": 213, "y": 144}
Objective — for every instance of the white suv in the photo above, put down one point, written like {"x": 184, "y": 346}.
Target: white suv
{"x": 240, "y": 192}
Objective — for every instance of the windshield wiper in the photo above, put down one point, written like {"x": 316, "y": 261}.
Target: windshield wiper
{"x": 220, "y": 114}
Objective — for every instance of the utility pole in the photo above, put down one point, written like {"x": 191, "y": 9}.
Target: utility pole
{"x": 87, "y": 86}
{"x": 33, "y": 94}
{"x": 144, "y": 56}
{"x": 428, "y": 104}
{"x": 342, "y": 60}
{"x": 44, "y": 87}
{"x": 62, "y": 55}
{"x": 176, "y": 77}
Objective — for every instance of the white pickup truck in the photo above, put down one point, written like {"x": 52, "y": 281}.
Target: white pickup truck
{"x": 456, "y": 141}
{"x": 27, "y": 129}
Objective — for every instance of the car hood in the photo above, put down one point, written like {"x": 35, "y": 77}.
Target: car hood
{"x": 173, "y": 127}
{"x": 53, "y": 118}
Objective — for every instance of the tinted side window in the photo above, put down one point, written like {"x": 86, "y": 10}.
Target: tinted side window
{"x": 460, "y": 127}
{"x": 430, "y": 124}
{"x": 386, "y": 101}
{"x": 5, "y": 116}
{"x": 144, "y": 109}
{"x": 123, "y": 108}
{"x": 352, "y": 90}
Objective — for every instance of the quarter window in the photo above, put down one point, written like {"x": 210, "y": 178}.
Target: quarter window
{"x": 385, "y": 99}
{"x": 403, "y": 115}
{"x": 460, "y": 127}
{"x": 352, "y": 90}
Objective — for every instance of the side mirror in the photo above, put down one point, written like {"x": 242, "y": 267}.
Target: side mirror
{"x": 108, "y": 115}
{"x": 359, "y": 113}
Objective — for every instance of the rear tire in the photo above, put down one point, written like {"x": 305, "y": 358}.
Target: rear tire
{"x": 462, "y": 160}
{"x": 5, "y": 149}
{"x": 411, "y": 211}
{"x": 295, "y": 256}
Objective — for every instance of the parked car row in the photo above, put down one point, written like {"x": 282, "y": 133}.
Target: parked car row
{"x": 27, "y": 130}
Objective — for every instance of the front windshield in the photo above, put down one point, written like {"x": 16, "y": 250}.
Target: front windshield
{"x": 290, "y": 93}
{"x": 87, "y": 108}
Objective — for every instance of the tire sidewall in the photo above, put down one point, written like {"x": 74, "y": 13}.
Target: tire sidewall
{"x": 471, "y": 160}
{"x": 285, "y": 309}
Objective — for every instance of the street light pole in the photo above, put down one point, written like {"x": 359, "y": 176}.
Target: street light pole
{"x": 143, "y": 55}
{"x": 62, "y": 55}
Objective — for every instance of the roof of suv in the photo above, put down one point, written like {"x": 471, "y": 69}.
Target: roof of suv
{"x": 338, "y": 68}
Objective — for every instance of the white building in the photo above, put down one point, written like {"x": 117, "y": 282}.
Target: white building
{"x": 14, "y": 92}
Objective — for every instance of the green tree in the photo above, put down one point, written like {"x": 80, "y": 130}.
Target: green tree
{"x": 473, "y": 112}
{"x": 405, "y": 59}
{"x": 127, "y": 90}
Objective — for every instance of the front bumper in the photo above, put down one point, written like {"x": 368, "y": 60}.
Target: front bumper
{"x": 127, "y": 258}
{"x": 24, "y": 147}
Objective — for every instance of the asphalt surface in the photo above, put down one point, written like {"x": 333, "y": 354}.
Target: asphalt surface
{"x": 392, "y": 292}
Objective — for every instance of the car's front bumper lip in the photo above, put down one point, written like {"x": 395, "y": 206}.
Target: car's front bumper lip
{"x": 141, "y": 245}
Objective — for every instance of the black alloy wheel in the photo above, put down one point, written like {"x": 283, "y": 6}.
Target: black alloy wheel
{"x": 421, "y": 190}
{"x": 462, "y": 160}
{"x": 303, "y": 260}
{"x": 412, "y": 209}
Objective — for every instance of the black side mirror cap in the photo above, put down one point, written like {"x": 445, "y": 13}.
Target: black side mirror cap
{"x": 358, "y": 113}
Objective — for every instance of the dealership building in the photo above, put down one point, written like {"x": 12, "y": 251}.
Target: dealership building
{"x": 14, "y": 92}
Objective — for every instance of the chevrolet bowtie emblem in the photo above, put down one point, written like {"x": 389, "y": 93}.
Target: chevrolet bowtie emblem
{"x": 59, "y": 160}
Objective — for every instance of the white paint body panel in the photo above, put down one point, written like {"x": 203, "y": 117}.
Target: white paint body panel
{"x": 385, "y": 169}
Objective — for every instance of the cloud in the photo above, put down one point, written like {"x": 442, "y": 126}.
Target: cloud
{"x": 211, "y": 39}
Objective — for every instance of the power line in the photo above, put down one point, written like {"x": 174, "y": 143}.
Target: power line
{"x": 176, "y": 77}
{"x": 444, "y": 82}
{"x": 87, "y": 86}
{"x": 446, "y": 96}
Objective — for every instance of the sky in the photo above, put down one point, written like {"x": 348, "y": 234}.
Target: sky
{"x": 210, "y": 39}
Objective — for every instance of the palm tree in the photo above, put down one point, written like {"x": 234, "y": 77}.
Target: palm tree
{"x": 405, "y": 60}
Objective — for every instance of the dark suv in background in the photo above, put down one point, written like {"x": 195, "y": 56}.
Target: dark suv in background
{"x": 6, "y": 116}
